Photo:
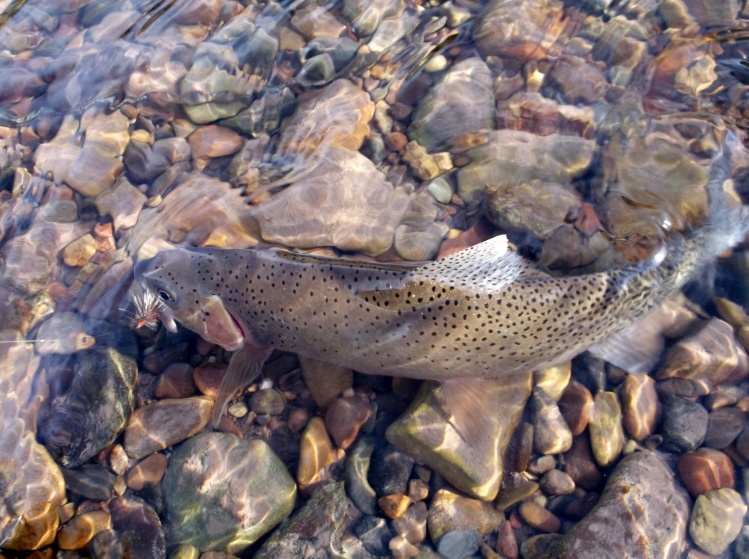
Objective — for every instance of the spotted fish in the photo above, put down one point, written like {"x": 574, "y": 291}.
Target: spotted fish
{"x": 484, "y": 312}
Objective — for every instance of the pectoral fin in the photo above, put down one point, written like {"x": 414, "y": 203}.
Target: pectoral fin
{"x": 244, "y": 367}
{"x": 637, "y": 348}
{"x": 220, "y": 327}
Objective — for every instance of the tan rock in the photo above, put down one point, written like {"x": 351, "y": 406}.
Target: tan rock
{"x": 324, "y": 381}
{"x": 315, "y": 453}
{"x": 539, "y": 517}
{"x": 554, "y": 380}
{"x": 78, "y": 532}
{"x": 640, "y": 406}
{"x": 606, "y": 432}
{"x": 79, "y": 252}
{"x": 148, "y": 472}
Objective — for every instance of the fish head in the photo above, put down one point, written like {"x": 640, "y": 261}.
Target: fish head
{"x": 179, "y": 280}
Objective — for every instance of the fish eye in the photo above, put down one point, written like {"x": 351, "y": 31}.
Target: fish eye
{"x": 165, "y": 296}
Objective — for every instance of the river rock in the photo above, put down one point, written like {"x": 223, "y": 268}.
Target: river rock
{"x": 443, "y": 113}
{"x": 684, "y": 424}
{"x": 315, "y": 453}
{"x": 508, "y": 157}
{"x": 249, "y": 492}
{"x": 33, "y": 489}
{"x": 138, "y": 530}
{"x": 576, "y": 406}
{"x": 723, "y": 426}
{"x": 534, "y": 207}
{"x": 450, "y": 511}
{"x": 338, "y": 199}
{"x": 518, "y": 30}
{"x": 160, "y": 425}
{"x": 79, "y": 531}
{"x": 717, "y": 518}
{"x": 87, "y": 411}
{"x": 315, "y": 528}
{"x": 713, "y": 353}
{"x": 641, "y": 408}
{"x": 90, "y": 481}
{"x": 706, "y": 469}
{"x": 606, "y": 432}
{"x": 642, "y": 510}
{"x": 356, "y": 470}
{"x": 550, "y": 433}
{"x": 425, "y": 433}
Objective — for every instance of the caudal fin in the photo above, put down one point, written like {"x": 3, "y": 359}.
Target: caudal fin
{"x": 727, "y": 223}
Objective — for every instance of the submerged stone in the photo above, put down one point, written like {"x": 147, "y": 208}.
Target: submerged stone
{"x": 223, "y": 493}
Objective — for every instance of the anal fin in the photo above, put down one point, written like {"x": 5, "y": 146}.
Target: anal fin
{"x": 244, "y": 367}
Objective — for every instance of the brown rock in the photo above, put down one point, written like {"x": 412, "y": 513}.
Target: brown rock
{"x": 79, "y": 252}
{"x": 712, "y": 354}
{"x": 578, "y": 81}
{"x": 214, "y": 141}
{"x": 175, "y": 382}
{"x": 641, "y": 408}
{"x": 324, "y": 381}
{"x": 164, "y": 423}
{"x": 344, "y": 417}
{"x": 315, "y": 453}
{"x": 723, "y": 426}
{"x": 148, "y": 472}
{"x": 78, "y": 532}
{"x": 576, "y": 406}
{"x": 705, "y": 469}
{"x": 539, "y": 517}
{"x": 556, "y": 482}
{"x": 208, "y": 376}
{"x": 507, "y": 543}
{"x": 579, "y": 464}
{"x": 450, "y": 511}
{"x": 509, "y": 496}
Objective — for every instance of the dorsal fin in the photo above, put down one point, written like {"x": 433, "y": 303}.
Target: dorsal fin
{"x": 489, "y": 266}
{"x": 489, "y": 262}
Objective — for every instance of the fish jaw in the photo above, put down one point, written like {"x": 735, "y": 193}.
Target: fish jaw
{"x": 202, "y": 311}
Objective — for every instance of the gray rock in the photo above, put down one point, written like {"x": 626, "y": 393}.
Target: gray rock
{"x": 90, "y": 481}
{"x": 684, "y": 424}
{"x": 315, "y": 530}
{"x": 250, "y": 492}
{"x": 444, "y": 112}
{"x": 375, "y": 534}
{"x": 723, "y": 426}
{"x": 458, "y": 544}
{"x": 355, "y": 477}
{"x": 86, "y": 413}
{"x": 643, "y": 510}
{"x": 390, "y": 471}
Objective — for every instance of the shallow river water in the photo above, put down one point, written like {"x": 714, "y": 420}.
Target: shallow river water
{"x": 377, "y": 131}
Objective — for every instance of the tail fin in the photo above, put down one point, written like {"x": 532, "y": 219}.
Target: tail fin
{"x": 727, "y": 223}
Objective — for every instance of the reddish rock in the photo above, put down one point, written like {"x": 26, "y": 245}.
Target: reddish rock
{"x": 344, "y": 418}
{"x": 706, "y": 469}
{"x": 208, "y": 376}
{"x": 539, "y": 517}
{"x": 579, "y": 464}
{"x": 176, "y": 382}
{"x": 576, "y": 406}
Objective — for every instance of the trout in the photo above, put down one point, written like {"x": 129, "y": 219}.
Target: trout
{"x": 484, "y": 312}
